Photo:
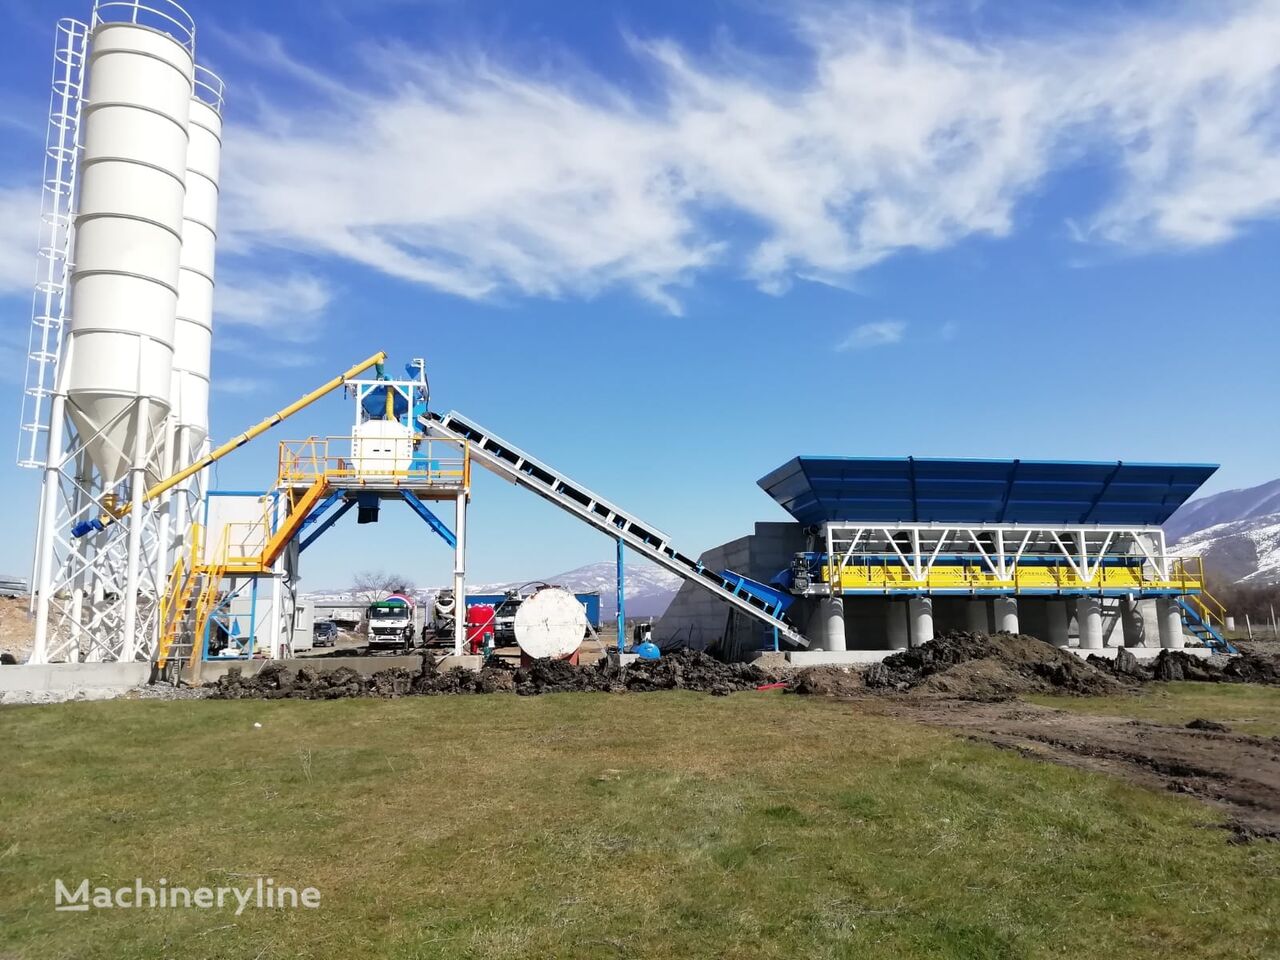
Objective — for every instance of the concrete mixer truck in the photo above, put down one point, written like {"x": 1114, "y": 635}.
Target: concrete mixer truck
{"x": 392, "y": 623}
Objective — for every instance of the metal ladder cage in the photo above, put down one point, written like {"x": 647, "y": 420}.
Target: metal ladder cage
{"x": 50, "y": 304}
{"x": 163, "y": 16}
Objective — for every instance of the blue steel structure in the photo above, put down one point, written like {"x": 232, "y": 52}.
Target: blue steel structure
{"x": 818, "y": 490}
{"x": 921, "y": 527}
{"x": 622, "y": 597}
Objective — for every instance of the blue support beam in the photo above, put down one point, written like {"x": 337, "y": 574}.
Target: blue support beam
{"x": 432, "y": 521}
{"x": 319, "y": 511}
{"x": 328, "y": 522}
{"x": 622, "y": 598}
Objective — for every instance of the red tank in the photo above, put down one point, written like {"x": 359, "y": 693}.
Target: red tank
{"x": 479, "y": 626}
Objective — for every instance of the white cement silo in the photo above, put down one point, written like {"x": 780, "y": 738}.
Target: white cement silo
{"x": 124, "y": 288}
{"x": 193, "y": 332}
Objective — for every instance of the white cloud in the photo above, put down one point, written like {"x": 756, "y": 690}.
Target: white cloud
{"x": 237, "y": 384}
{"x": 894, "y": 134}
{"x": 19, "y": 229}
{"x": 878, "y": 334}
{"x": 284, "y": 308}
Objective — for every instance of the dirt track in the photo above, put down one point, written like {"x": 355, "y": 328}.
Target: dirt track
{"x": 1239, "y": 773}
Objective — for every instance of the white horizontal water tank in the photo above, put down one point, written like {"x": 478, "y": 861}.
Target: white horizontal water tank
{"x": 124, "y": 288}
{"x": 193, "y": 331}
{"x": 551, "y": 623}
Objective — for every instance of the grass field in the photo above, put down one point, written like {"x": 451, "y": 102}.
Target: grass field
{"x": 659, "y": 825}
{"x": 1245, "y": 708}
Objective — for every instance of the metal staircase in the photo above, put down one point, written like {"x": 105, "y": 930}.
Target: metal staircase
{"x": 511, "y": 463}
{"x": 189, "y": 600}
{"x": 1198, "y": 617}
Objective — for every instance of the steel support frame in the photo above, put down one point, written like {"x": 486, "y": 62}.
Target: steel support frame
{"x": 96, "y": 597}
{"x": 429, "y": 518}
{"x": 1084, "y": 547}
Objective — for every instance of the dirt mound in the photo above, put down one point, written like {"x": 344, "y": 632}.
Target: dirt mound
{"x": 17, "y": 629}
{"x": 1173, "y": 665}
{"x": 561, "y": 676}
{"x": 827, "y": 682}
{"x": 1200, "y": 723}
{"x": 681, "y": 670}
{"x": 693, "y": 670}
{"x": 982, "y": 667}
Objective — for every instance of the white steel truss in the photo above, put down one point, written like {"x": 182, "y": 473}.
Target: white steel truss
{"x": 999, "y": 548}
{"x": 96, "y": 597}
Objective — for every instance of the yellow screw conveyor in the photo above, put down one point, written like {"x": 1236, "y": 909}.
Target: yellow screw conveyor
{"x": 104, "y": 521}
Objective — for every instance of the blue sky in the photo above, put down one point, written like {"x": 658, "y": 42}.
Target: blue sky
{"x": 667, "y": 246}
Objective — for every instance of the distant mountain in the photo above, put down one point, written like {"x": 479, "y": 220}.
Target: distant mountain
{"x": 1237, "y": 533}
{"x": 1250, "y": 504}
{"x": 650, "y": 589}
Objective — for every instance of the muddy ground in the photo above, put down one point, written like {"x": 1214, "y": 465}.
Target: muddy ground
{"x": 1240, "y": 774}
{"x": 970, "y": 683}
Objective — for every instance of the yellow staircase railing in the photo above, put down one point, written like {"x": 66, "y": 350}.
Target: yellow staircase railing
{"x": 207, "y": 601}
{"x": 253, "y": 547}
{"x": 175, "y": 602}
{"x": 299, "y": 509}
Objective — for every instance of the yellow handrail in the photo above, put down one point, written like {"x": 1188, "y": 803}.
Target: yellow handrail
{"x": 205, "y": 603}
{"x": 177, "y": 595}
{"x": 433, "y": 462}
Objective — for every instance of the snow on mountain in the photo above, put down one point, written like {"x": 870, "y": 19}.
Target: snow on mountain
{"x": 1220, "y": 508}
{"x": 1237, "y": 533}
{"x": 649, "y": 589}
{"x": 1245, "y": 551}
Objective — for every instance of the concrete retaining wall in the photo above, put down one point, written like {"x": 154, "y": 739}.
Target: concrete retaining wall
{"x": 697, "y": 618}
{"x": 29, "y": 682}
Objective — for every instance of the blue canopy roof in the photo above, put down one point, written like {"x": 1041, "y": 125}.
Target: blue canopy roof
{"x": 816, "y": 490}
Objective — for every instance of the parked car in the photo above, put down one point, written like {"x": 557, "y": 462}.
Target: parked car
{"x": 324, "y": 633}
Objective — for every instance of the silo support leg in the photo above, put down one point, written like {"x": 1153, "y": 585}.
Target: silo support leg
{"x": 137, "y": 490}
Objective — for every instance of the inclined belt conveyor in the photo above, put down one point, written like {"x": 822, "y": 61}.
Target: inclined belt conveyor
{"x": 492, "y": 452}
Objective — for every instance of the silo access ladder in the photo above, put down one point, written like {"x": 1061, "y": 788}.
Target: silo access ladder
{"x": 757, "y": 600}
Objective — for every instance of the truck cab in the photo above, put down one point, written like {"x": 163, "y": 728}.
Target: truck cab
{"x": 391, "y": 624}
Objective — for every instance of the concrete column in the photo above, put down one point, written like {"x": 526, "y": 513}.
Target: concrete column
{"x": 921, "y": 620}
{"x": 1059, "y": 633}
{"x": 1006, "y": 614}
{"x": 833, "y": 623}
{"x": 976, "y": 618}
{"x": 1089, "y": 617}
{"x": 896, "y": 623}
{"x": 1170, "y": 623}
